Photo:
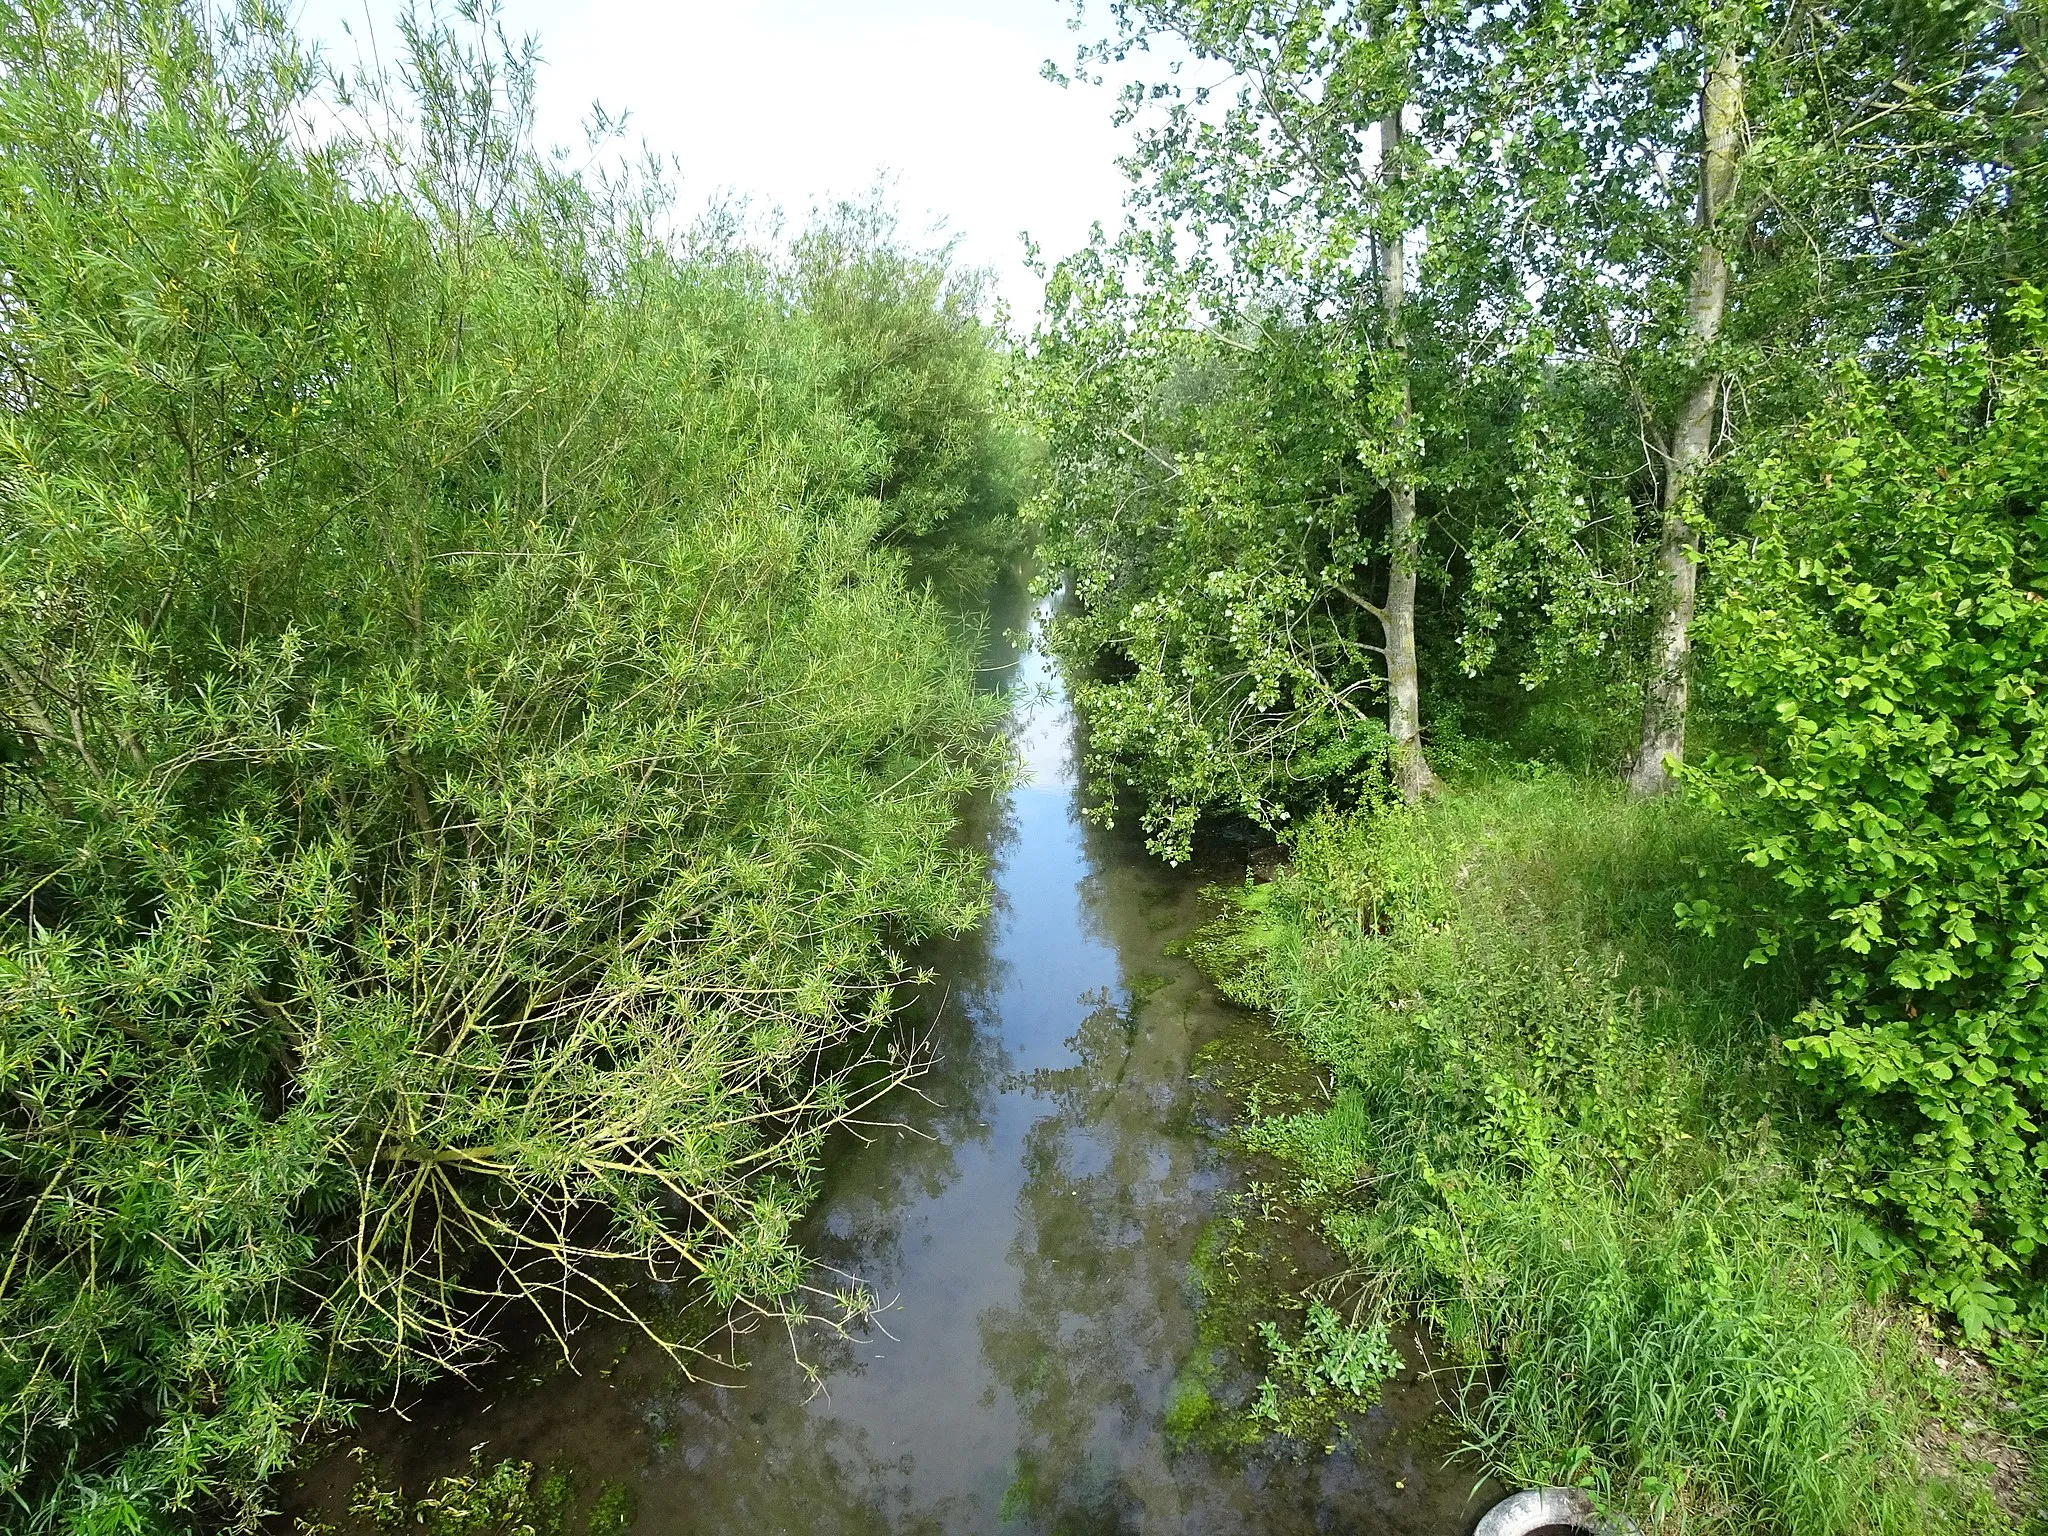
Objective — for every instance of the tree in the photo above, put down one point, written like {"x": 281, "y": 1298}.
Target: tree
{"x": 1854, "y": 164}
{"x": 1294, "y": 201}
{"x": 1691, "y": 436}
{"x": 1412, "y": 773}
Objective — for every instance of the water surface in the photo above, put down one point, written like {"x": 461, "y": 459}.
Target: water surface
{"x": 1029, "y": 1225}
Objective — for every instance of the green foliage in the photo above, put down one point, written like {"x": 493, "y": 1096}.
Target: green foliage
{"x": 1884, "y": 635}
{"x": 1232, "y": 406}
{"x": 613, "y": 1511}
{"x": 507, "y": 1499}
{"x": 1230, "y": 393}
{"x": 1202, "y": 500}
{"x": 1556, "y": 1132}
{"x": 469, "y": 763}
{"x": 1333, "y": 1366}
{"x": 912, "y": 360}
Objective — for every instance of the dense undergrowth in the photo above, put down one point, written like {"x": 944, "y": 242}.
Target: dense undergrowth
{"x": 1880, "y": 637}
{"x": 1458, "y": 371}
{"x": 471, "y": 751}
{"x": 1559, "y": 1129}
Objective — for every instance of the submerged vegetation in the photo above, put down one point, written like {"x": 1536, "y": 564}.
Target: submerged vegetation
{"x": 510, "y": 1498}
{"x": 472, "y": 753}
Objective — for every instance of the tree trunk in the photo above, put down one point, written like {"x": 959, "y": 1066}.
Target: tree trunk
{"x": 1692, "y": 440}
{"x": 1412, "y": 773}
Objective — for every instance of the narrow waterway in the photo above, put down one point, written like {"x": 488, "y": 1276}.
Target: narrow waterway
{"x": 1030, "y": 1226}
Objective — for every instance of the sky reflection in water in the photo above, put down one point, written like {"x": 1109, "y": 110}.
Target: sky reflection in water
{"x": 1030, "y": 1226}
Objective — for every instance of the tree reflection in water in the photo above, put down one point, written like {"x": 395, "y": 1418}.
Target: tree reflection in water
{"x": 1030, "y": 1223}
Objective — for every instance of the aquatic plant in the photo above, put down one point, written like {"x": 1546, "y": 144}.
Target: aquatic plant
{"x": 507, "y": 1498}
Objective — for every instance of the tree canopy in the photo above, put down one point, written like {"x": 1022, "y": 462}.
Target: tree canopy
{"x": 1457, "y": 368}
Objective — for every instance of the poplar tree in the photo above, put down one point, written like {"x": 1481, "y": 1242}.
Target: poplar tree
{"x": 1271, "y": 245}
{"x": 1412, "y": 772}
{"x": 1691, "y": 438}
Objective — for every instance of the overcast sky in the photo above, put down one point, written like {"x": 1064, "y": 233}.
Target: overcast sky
{"x": 797, "y": 101}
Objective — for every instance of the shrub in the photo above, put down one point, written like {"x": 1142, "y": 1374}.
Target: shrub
{"x": 912, "y": 361}
{"x": 467, "y": 767}
{"x": 1884, "y": 635}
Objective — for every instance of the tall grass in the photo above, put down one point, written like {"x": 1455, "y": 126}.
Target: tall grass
{"x": 1560, "y": 1131}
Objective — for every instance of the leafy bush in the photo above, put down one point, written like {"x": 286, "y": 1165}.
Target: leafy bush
{"x": 467, "y": 767}
{"x": 1883, "y": 632}
{"x": 912, "y": 360}
{"x": 1554, "y": 1131}
{"x": 1204, "y": 504}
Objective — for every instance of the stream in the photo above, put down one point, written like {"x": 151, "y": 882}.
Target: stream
{"x": 1028, "y": 1224}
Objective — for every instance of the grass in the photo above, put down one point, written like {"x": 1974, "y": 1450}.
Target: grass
{"x": 1560, "y": 1131}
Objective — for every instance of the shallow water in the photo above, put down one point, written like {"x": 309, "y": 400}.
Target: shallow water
{"x": 1030, "y": 1225}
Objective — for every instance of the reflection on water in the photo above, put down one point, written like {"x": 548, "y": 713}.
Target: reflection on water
{"x": 1030, "y": 1224}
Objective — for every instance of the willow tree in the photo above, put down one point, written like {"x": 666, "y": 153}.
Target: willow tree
{"x": 469, "y": 768}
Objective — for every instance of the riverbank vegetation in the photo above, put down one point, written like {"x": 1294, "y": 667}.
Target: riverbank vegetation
{"x": 1567, "y": 1138}
{"x": 1455, "y": 376}
{"x": 473, "y": 750}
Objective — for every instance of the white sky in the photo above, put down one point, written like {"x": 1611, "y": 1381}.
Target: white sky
{"x": 793, "y": 102}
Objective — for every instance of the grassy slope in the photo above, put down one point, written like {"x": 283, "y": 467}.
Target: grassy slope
{"x": 1558, "y": 1128}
